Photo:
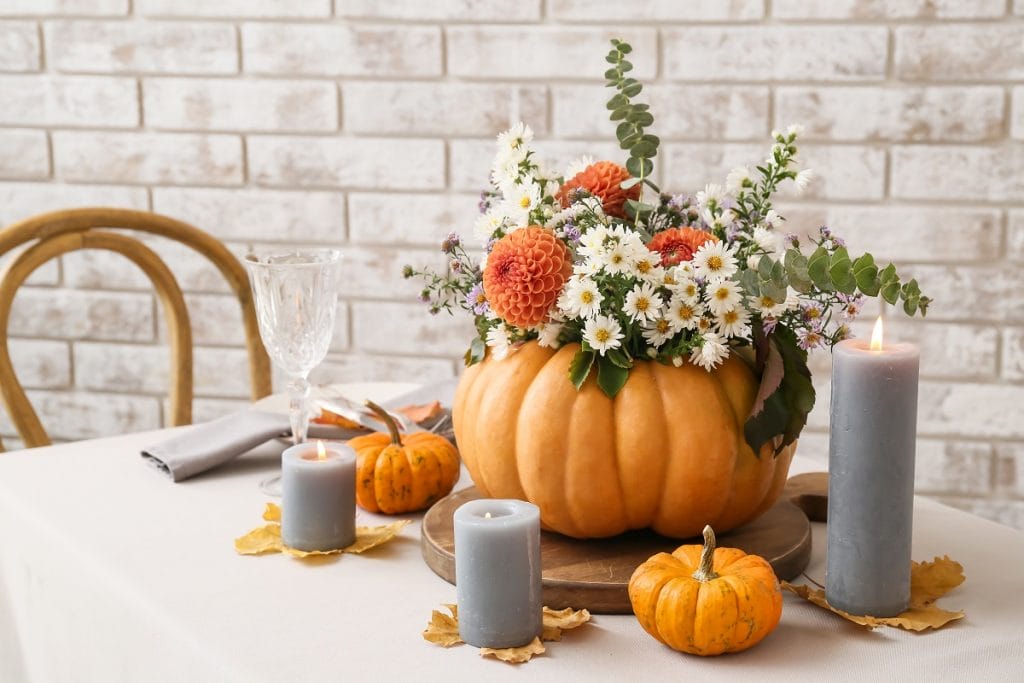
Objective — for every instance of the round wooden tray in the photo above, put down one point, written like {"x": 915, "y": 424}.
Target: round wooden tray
{"x": 594, "y": 574}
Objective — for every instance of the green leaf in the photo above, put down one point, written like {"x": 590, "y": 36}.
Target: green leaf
{"x": 764, "y": 267}
{"x": 750, "y": 283}
{"x": 617, "y": 100}
{"x": 619, "y": 113}
{"x": 612, "y": 57}
{"x": 633, "y": 89}
{"x": 619, "y": 358}
{"x": 624, "y": 48}
{"x": 611, "y": 74}
{"x": 580, "y": 366}
{"x": 817, "y": 270}
{"x": 865, "y": 272}
{"x": 624, "y": 130}
{"x": 840, "y": 271}
{"x": 785, "y": 410}
{"x": 475, "y": 352}
{"x": 771, "y": 377}
{"x": 796, "y": 271}
{"x": 643, "y": 149}
{"x": 640, "y": 118}
{"x": 610, "y": 377}
{"x": 625, "y": 66}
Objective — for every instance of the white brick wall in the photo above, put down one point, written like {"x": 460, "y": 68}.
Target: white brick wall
{"x": 369, "y": 125}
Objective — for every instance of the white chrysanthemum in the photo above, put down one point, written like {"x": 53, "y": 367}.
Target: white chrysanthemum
{"x": 710, "y": 353}
{"x": 588, "y": 267}
{"x": 499, "y": 340}
{"x": 734, "y": 323}
{"x": 487, "y": 224}
{"x": 617, "y": 258}
{"x": 592, "y": 241}
{"x": 721, "y": 295}
{"x": 734, "y": 181}
{"x": 683, "y": 314}
{"x": 772, "y": 218}
{"x": 513, "y": 145}
{"x": 688, "y": 290}
{"x": 581, "y": 298}
{"x": 547, "y": 334}
{"x": 643, "y": 304}
{"x": 602, "y": 333}
{"x": 714, "y": 260}
{"x": 753, "y": 261}
{"x": 795, "y": 129}
{"x": 712, "y": 192}
{"x": 803, "y": 179}
{"x": 646, "y": 267}
{"x": 519, "y": 201}
{"x": 767, "y": 239}
{"x": 658, "y": 332}
{"x": 578, "y": 166}
{"x": 770, "y": 308}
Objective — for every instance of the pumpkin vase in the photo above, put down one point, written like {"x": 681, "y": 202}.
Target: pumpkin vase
{"x": 668, "y": 452}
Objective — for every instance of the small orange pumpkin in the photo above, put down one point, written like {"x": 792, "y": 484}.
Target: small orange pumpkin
{"x": 706, "y": 601}
{"x": 397, "y": 474}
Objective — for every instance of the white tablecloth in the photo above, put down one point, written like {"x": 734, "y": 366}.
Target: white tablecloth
{"x": 108, "y": 571}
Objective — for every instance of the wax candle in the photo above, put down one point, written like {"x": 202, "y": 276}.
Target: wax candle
{"x": 497, "y": 572}
{"x": 318, "y": 493}
{"x": 871, "y": 475}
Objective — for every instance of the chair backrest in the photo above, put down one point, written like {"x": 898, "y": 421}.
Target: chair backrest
{"x": 60, "y": 232}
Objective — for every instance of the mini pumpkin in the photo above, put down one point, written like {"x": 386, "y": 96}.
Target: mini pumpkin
{"x": 706, "y": 601}
{"x": 397, "y": 474}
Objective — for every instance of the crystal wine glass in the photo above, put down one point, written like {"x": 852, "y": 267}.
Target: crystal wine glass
{"x": 296, "y": 296}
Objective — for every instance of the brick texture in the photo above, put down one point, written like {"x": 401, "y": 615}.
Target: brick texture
{"x": 370, "y": 126}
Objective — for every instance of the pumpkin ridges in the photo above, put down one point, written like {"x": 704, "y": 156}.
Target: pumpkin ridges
{"x": 640, "y": 437}
{"x": 693, "y": 479}
{"x": 466, "y": 422}
{"x": 366, "y": 450}
{"x": 717, "y": 607}
{"x": 541, "y": 441}
{"x": 645, "y": 586}
{"x": 426, "y": 474}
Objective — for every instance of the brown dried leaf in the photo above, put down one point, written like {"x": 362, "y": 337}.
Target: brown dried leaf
{"x": 372, "y": 536}
{"x": 327, "y": 417}
{"x": 556, "y": 621}
{"x": 928, "y": 582}
{"x": 443, "y": 629}
{"x": 515, "y": 655}
{"x": 421, "y": 412}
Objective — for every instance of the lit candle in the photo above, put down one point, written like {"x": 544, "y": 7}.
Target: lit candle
{"x": 318, "y": 494}
{"x": 497, "y": 572}
{"x": 871, "y": 475}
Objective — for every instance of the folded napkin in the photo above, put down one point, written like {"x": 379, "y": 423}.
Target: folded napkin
{"x": 207, "y": 445}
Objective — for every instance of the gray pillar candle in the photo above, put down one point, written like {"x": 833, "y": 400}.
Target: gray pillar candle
{"x": 318, "y": 496}
{"x": 871, "y": 476}
{"x": 497, "y": 572}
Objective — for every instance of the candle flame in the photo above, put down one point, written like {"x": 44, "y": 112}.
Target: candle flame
{"x": 876, "y": 336}
{"x": 487, "y": 515}
{"x": 321, "y": 452}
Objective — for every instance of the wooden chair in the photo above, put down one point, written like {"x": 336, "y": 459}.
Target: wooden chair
{"x": 60, "y": 232}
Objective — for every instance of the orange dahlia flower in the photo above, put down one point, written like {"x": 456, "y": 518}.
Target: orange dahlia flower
{"x": 525, "y": 273}
{"x": 679, "y": 244}
{"x": 602, "y": 179}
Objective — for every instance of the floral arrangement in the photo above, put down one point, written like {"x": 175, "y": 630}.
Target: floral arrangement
{"x": 584, "y": 256}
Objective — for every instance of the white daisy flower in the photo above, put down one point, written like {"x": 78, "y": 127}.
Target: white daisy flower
{"x": 712, "y": 192}
{"x": 616, "y": 259}
{"x": 737, "y": 176}
{"x": 588, "y": 267}
{"x": 582, "y": 298}
{"x": 753, "y": 261}
{"x": 547, "y": 334}
{"x": 683, "y": 314}
{"x": 689, "y": 290}
{"x": 519, "y": 201}
{"x": 513, "y": 144}
{"x": 769, "y": 307}
{"x": 658, "y": 332}
{"x": 710, "y": 353}
{"x": 499, "y": 340}
{"x": 487, "y": 224}
{"x": 714, "y": 260}
{"x": 578, "y": 166}
{"x": 603, "y": 332}
{"x": 803, "y": 179}
{"x": 646, "y": 267}
{"x": 592, "y": 241}
{"x": 772, "y": 218}
{"x": 795, "y": 129}
{"x": 767, "y": 239}
{"x": 734, "y": 323}
{"x": 642, "y": 303}
{"x": 721, "y": 295}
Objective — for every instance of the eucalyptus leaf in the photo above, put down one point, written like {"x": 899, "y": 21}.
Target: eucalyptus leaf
{"x": 817, "y": 269}
{"x": 476, "y": 351}
{"x": 632, "y": 90}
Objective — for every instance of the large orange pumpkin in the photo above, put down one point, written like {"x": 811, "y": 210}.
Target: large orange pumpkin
{"x": 668, "y": 452}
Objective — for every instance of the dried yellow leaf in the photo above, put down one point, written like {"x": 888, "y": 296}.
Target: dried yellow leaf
{"x": 929, "y": 581}
{"x": 443, "y": 629}
{"x": 267, "y": 539}
{"x": 556, "y": 621}
{"x": 515, "y": 655}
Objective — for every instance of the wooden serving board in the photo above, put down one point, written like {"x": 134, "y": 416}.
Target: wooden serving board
{"x": 594, "y": 574}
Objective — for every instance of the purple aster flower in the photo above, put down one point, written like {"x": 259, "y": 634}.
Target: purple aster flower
{"x": 477, "y": 300}
{"x": 425, "y": 296}
{"x": 572, "y": 233}
{"x": 808, "y": 339}
{"x": 769, "y": 325}
{"x": 825, "y": 231}
{"x": 490, "y": 244}
{"x": 456, "y": 266}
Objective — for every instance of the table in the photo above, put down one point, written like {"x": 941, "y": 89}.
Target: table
{"x": 108, "y": 571}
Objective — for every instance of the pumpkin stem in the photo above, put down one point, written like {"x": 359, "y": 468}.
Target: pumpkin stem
{"x": 389, "y": 422}
{"x": 706, "y": 570}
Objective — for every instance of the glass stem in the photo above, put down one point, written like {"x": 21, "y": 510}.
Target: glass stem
{"x": 298, "y": 408}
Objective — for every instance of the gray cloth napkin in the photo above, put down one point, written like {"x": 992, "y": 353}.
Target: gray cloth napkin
{"x": 210, "y": 444}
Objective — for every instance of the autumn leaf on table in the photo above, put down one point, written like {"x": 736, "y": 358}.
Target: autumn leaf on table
{"x": 421, "y": 412}
{"x": 267, "y": 538}
{"x": 443, "y": 630}
{"x": 929, "y": 581}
